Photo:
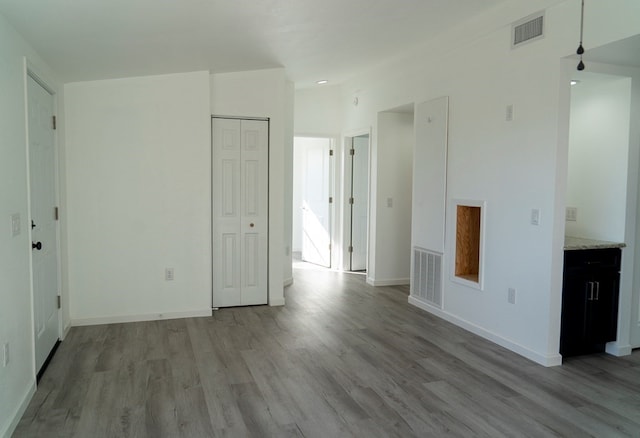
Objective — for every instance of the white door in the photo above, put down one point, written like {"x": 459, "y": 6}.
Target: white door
{"x": 44, "y": 252}
{"x": 360, "y": 202}
{"x": 240, "y": 211}
{"x": 316, "y": 208}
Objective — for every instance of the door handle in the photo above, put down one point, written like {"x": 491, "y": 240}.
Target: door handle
{"x": 251, "y": 225}
{"x": 37, "y": 245}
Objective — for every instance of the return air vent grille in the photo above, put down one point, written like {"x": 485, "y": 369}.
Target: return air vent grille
{"x": 528, "y": 29}
{"x": 427, "y": 277}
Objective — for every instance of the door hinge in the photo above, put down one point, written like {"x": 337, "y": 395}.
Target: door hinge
{"x": 331, "y": 152}
{"x": 59, "y": 302}
{"x": 352, "y": 152}
{"x": 330, "y": 199}
{"x": 56, "y": 216}
{"x": 350, "y": 248}
{"x": 351, "y": 201}
{"x": 54, "y": 122}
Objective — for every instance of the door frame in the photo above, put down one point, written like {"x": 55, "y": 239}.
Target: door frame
{"x": 345, "y": 207}
{"x": 33, "y": 72}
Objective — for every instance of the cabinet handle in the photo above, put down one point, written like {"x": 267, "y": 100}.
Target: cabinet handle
{"x": 597, "y": 290}
{"x": 589, "y": 285}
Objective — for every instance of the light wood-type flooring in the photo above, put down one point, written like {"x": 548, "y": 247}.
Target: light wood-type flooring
{"x": 340, "y": 359}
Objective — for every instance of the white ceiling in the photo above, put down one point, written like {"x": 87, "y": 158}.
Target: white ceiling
{"x": 312, "y": 39}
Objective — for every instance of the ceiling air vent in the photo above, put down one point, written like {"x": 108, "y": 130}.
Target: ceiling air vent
{"x": 528, "y": 29}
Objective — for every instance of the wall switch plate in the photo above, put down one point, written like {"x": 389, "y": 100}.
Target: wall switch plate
{"x": 15, "y": 224}
{"x": 168, "y": 274}
{"x": 571, "y": 214}
{"x": 389, "y": 202}
{"x": 509, "y": 113}
{"x": 535, "y": 216}
{"x": 511, "y": 297}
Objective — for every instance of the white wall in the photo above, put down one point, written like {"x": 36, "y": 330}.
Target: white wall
{"x": 266, "y": 93}
{"x": 598, "y": 156}
{"x": 391, "y": 229}
{"x": 318, "y": 111}
{"x": 513, "y": 166}
{"x": 17, "y": 379}
{"x": 138, "y": 157}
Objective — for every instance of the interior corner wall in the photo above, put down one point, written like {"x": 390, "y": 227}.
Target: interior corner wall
{"x": 264, "y": 93}
{"x": 394, "y": 172}
{"x": 138, "y": 163}
{"x": 598, "y": 156}
{"x": 17, "y": 379}
{"x": 289, "y": 111}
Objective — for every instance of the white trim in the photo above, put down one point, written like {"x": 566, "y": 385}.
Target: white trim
{"x": 276, "y": 302}
{"x": 388, "y": 282}
{"x": 17, "y": 415}
{"x": 616, "y": 349}
{"x": 137, "y": 318}
{"x": 288, "y": 281}
{"x": 542, "y": 359}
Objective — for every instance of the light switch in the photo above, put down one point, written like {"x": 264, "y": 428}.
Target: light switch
{"x": 535, "y": 216}
{"x": 15, "y": 224}
{"x": 389, "y": 202}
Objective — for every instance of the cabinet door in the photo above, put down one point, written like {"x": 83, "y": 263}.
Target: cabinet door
{"x": 576, "y": 293}
{"x": 602, "y": 308}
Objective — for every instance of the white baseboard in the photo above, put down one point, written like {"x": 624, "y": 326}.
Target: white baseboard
{"x": 138, "y": 318}
{"x": 17, "y": 415}
{"x": 276, "y": 301}
{"x": 542, "y": 359}
{"x": 616, "y": 349}
{"x": 388, "y": 282}
{"x": 65, "y": 331}
{"x": 288, "y": 281}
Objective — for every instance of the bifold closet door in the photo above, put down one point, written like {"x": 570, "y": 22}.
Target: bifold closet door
{"x": 240, "y": 212}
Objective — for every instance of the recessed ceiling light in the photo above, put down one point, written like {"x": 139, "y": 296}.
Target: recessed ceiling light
{"x": 322, "y": 82}
{"x": 574, "y": 82}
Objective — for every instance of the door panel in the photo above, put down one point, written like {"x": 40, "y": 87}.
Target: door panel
{"x": 360, "y": 206}
{"x": 240, "y": 213}
{"x": 43, "y": 201}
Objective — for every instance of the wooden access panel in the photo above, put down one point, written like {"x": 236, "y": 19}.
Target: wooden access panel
{"x": 468, "y": 242}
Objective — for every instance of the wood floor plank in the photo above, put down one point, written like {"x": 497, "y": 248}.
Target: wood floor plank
{"x": 341, "y": 359}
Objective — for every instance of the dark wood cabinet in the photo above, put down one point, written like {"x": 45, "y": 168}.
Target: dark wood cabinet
{"x": 589, "y": 300}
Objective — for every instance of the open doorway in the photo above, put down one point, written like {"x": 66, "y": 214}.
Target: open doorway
{"x": 312, "y": 200}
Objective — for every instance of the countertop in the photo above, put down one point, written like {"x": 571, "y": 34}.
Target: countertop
{"x": 574, "y": 243}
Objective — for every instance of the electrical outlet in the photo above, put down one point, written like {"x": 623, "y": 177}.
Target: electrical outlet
{"x": 15, "y": 224}
{"x": 511, "y": 298}
{"x": 509, "y": 113}
{"x": 571, "y": 214}
{"x": 5, "y": 354}
{"x": 168, "y": 274}
{"x": 389, "y": 202}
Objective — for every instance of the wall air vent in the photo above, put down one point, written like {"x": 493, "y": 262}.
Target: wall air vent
{"x": 427, "y": 277}
{"x": 528, "y": 29}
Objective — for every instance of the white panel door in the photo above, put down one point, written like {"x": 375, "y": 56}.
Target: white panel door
{"x": 360, "y": 206}
{"x": 316, "y": 223}
{"x": 240, "y": 212}
{"x": 44, "y": 252}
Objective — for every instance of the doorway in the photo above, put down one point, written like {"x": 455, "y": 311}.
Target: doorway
{"x": 357, "y": 178}
{"x": 43, "y": 218}
{"x": 313, "y": 199}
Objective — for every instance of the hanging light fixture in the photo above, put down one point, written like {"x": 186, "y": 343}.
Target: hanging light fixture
{"x": 580, "y": 50}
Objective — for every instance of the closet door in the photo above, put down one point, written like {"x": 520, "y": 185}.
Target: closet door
{"x": 240, "y": 212}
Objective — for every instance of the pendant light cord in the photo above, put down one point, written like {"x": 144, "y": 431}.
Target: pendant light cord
{"x": 580, "y": 50}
